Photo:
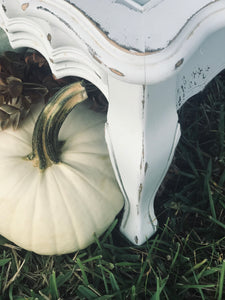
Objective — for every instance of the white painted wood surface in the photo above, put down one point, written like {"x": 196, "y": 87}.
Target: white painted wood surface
{"x": 147, "y": 57}
{"x": 151, "y": 29}
{"x": 170, "y": 34}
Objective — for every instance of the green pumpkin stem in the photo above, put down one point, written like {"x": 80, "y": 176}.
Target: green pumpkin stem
{"x": 45, "y": 142}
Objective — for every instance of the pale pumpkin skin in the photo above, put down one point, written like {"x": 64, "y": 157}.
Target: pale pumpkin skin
{"x": 59, "y": 209}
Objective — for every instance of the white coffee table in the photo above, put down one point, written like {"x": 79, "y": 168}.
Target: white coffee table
{"x": 147, "y": 57}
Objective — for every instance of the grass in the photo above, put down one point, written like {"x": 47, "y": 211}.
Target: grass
{"x": 186, "y": 257}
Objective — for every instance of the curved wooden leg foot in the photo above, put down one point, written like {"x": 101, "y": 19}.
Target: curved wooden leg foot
{"x": 142, "y": 133}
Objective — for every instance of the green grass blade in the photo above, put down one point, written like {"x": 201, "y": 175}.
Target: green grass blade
{"x": 90, "y": 259}
{"x": 81, "y": 266}
{"x": 144, "y": 266}
{"x": 11, "y": 292}
{"x": 85, "y": 292}
{"x": 97, "y": 242}
{"x": 4, "y": 261}
{"x": 63, "y": 278}
{"x": 208, "y": 174}
{"x": 222, "y": 179}
{"x": 221, "y": 282}
{"x": 133, "y": 292}
{"x": 211, "y": 202}
{"x": 53, "y": 287}
{"x": 109, "y": 230}
{"x": 104, "y": 279}
{"x": 197, "y": 282}
{"x": 217, "y": 222}
{"x": 222, "y": 131}
{"x": 175, "y": 256}
{"x": 197, "y": 266}
{"x": 195, "y": 286}
{"x": 160, "y": 286}
{"x": 114, "y": 284}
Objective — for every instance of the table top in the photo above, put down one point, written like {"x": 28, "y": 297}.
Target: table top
{"x": 141, "y": 25}
{"x": 139, "y": 41}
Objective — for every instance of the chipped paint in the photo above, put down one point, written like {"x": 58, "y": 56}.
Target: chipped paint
{"x": 198, "y": 24}
{"x": 143, "y": 134}
{"x": 106, "y": 35}
{"x": 146, "y": 167}
{"x": 98, "y": 75}
{"x": 92, "y": 52}
{"x": 128, "y": 50}
{"x": 140, "y": 191}
{"x": 142, "y": 151}
{"x": 116, "y": 72}
{"x": 96, "y": 58}
{"x": 188, "y": 83}
{"x": 143, "y": 101}
{"x": 4, "y": 8}
{"x": 179, "y": 63}
{"x": 147, "y": 49}
{"x": 24, "y": 6}
{"x": 136, "y": 239}
{"x": 137, "y": 40}
{"x": 49, "y": 37}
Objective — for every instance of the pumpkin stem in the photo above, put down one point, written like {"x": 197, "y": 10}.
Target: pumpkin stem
{"x": 45, "y": 142}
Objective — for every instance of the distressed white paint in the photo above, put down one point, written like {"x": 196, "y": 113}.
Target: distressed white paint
{"x": 142, "y": 144}
{"x": 148, "y": 30}
{"x": 144, "y": 89}
{"x": 131, "y": 67}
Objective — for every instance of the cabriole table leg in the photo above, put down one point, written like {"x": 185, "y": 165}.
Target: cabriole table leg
{"x": 142, "y": 133}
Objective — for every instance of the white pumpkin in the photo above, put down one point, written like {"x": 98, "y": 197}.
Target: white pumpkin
{"x": 51, "y": 202}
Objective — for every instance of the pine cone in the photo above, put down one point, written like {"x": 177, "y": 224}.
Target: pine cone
{"x": 16, "y": 91}
{"x": 26, "y": 78}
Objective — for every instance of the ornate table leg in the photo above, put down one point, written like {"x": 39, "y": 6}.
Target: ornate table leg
{"x": 142, "y": 133}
